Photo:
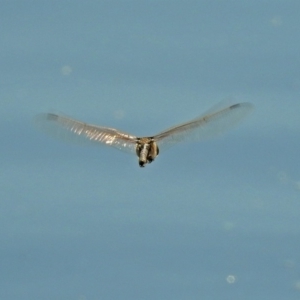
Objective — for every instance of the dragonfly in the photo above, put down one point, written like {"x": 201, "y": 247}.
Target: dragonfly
{"x": 215, "y": 121}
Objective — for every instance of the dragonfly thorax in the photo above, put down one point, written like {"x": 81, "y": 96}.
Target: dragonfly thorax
{"x": 146, "y": 150}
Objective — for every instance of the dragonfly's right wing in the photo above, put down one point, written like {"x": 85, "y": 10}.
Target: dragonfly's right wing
{"x": 217, "y": 120}
{"x": 72, "y": 130}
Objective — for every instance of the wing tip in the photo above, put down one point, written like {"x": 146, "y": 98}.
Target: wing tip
{"x": 45, "y": 117}
{"x": 245, "y": 104}
{"x": 248, "y": 104}
{"x": 51, "y": 117}
{"x": 249, "y": 107}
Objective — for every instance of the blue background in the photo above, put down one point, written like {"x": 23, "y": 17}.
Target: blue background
{"x": 212, "y": 220}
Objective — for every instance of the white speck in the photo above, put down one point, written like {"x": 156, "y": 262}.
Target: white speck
{"x": 66, "y": 70}
{"x": 276, "y": 21}
{"x": 230, "y": 279}
{"x": 297, "y": 185}
{"x": 297, "y": 285}
{"x": 228, "y": 226}
{"x": 283, "y": 177}
{"x": 119, "y": 114}
{"x": 289, "y": 264}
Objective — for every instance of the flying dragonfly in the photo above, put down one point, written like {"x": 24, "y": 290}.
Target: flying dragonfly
{"x": 215, "y": 121}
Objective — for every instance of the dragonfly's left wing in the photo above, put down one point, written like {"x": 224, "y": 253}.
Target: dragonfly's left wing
{"x": 216, "y": 121}
{"x": 72, "y": 130}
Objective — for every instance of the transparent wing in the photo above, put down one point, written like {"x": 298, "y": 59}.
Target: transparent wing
{"x": 68, "y": 129}
{"x": 217, "y": 120}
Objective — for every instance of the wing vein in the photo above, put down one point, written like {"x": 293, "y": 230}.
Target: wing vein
{"x": 216, "y": 121}
{"x": 68, "y": 129}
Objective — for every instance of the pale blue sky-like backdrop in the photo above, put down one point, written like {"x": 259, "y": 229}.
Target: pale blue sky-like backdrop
{"x": 218, "y": 219}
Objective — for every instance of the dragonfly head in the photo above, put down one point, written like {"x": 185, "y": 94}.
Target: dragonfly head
{"x": 146, "y": 150}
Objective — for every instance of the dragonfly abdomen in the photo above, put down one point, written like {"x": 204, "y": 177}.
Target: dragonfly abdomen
{"x": 143, "y": 155}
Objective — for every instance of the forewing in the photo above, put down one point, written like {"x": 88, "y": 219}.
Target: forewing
{"x": 72, "y": 130}
{"x": 214, "y": 122}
